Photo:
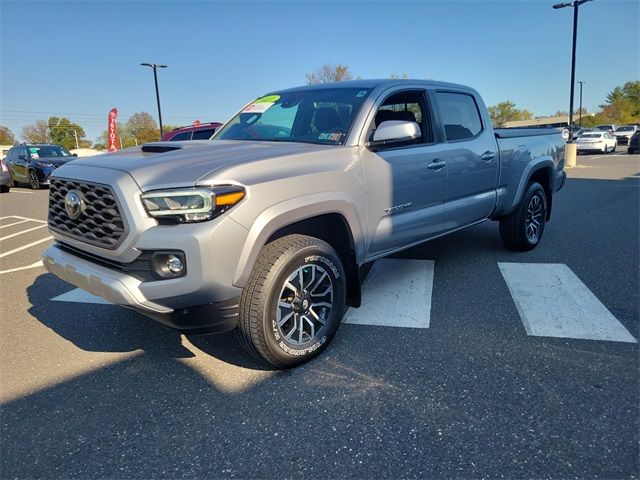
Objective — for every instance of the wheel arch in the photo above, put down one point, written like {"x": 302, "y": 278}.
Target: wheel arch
{"x": 334, "y": 221}
{"x": 542, "y": 173}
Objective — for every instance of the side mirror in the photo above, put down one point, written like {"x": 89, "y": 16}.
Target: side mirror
{"x": 394, "y": 132}
{"x": 22, "y": 157}
{"x": 74, "y": 154}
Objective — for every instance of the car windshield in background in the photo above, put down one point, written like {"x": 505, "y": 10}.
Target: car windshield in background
{"x": 322, "y": 116}
{"x": 591, "y": 135}
{"x": 625, "y": 129}
{"x": 48, "y": 151}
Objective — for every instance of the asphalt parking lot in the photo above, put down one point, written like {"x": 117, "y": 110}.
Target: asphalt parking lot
{"x": 478, "y": 382}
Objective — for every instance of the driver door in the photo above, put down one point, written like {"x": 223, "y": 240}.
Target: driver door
{"x": 406, "y": 184}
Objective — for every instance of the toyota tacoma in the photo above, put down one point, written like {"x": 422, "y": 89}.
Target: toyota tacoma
{"x": 264, "y": 230}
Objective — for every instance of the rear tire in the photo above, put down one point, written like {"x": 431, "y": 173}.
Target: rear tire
{"x": 294, "y": 301}
{"x": 522, "y": 229}
{"x": 4, "y": 188}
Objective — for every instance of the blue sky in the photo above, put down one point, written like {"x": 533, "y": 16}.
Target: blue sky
{"x": 81, "y": 58}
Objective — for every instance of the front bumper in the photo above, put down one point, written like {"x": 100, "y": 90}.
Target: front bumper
{"x": 125, "y": 290}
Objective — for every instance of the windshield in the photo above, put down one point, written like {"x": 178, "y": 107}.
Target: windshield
{"x": 625, "y": 129}
{"x": 48, "y": 151}
{"x": 322, "y": 116}
{"x": 604, "y": 127}
{"x": 590, "y": 135}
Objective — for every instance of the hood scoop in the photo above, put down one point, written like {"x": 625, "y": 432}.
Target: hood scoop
{"x": 159, "y": 148}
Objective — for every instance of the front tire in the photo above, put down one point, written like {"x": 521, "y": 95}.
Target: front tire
{"x": 522, "y": 229}
{"x": 4, "y": 188}
{"x": 294, "y": 301}
{"x": 33, "y": 180}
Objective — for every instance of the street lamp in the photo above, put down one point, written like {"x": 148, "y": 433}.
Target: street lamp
{"x": 575, "y": 4}
{"x": 580, "y": 111}
{"x": 155, "y": 78}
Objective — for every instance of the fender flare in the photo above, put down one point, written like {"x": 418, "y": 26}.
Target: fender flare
{"x": 541, "y": 163}
{"x": 291, "y": 211}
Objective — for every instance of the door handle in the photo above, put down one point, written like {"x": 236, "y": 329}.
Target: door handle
{"x": 437, "y": 164}
{"x": 488, "y": 156}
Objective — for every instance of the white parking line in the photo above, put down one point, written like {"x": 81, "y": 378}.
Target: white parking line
{"x": 553, "y": 302}
{"x": 27, "y": 218}
{"x": 18, "y": 269}
{"x": 397, "y": 293}
{"x": 24, "y": 247}
{"x": 14, "y": 223}
{"x": 79, "y": 296}
{"x": 21, "y": 232}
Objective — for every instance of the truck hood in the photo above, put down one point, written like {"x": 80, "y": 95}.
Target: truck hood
{"x": 183, "y": 164}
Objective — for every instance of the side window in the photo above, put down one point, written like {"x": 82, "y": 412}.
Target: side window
{"x": 10, "y": 155}
{"x": 407, "y": 106}
{"x": 460, "y": 115}
{"x": 181, "y": 136}
{"x": 203, "y": 134}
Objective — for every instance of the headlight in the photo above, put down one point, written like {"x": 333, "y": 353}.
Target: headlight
{"x": 189, "y": 205}
{"x": 43, "y": 164}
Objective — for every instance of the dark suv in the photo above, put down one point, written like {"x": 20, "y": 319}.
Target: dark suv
{"x": 200, "y": 131}
{"x": 633, "y": 146}
{"x": 33, "y": 164}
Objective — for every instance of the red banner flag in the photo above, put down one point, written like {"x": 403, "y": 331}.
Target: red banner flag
{"x": 112, "y": 131}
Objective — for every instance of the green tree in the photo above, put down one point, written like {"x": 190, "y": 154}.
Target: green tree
{"x": 37, "y": 132}
{"x": 505, "y": 112}
{"x": 63, "y": 131}
{"x": 6, "y": 136}
{"x": 329, "y": 73}
{"x": 143, "y": 128}
{"x": 623, "y": 104}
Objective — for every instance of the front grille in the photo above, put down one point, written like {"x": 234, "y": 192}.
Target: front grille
{"x": 99, "y": 224}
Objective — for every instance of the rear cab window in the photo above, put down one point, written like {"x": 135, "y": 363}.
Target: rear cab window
{"x": 460, "y": 116}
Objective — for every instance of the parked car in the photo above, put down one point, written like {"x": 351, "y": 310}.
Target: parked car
{"x": 624, "y": 133}
{"x": 610, "y": 129}
{"x": 633, "y": 146}
{"x": 34, "y": 163}
{"x": 596, "y": 142}
{"x": 580, "y": 131}
{"x": 265, "y": 229}
{"x": 201, "y": 131}
{"x": 5, "y": 178}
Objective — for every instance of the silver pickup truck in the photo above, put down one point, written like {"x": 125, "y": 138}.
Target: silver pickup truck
{"x": 265, "y": 228}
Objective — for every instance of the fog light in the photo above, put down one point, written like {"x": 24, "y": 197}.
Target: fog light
{"x": 174, "y": 264}
{"x": 169, "y": 264}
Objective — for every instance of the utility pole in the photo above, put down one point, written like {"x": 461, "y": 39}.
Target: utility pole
{"x": 75, "y": 133}
{"x": 580, "y": 111}
{"x": 155, "y": 66}
{"x": 570, "y": 151}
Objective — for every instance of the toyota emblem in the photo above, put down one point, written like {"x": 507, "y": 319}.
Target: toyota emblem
{"x": 74, "y": 204}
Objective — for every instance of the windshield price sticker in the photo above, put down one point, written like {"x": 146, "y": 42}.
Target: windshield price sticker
{"x": 34, "y": 152}
{"x": 334, "y": 137}
{"x": 262, "y": 104}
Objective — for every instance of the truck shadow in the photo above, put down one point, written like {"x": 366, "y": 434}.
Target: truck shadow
{"x": 110, "y": 328}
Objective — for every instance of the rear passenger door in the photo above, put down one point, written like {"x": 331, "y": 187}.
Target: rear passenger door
{"x": 472, "y": 159}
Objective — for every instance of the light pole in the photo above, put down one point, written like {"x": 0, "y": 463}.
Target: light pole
{"x": 580, "y": 111}
{"x": 155, "y": 78}
{"x": 575, "y": 4}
